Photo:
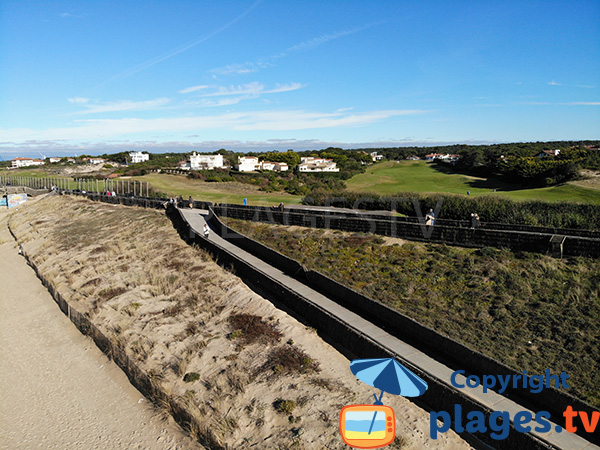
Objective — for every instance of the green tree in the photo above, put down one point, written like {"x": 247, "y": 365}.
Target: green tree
{"x": 290, "y": 157}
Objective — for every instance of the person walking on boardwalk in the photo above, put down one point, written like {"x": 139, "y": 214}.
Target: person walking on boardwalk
{"x": 191, "y": 202}
{"x": 180, "y": 201}
{"x": 206, "y": 230}
{"x": 430, "y": 218}
{"x": 475, "y": 223}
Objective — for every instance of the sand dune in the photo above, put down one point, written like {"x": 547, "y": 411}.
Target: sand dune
{"x": 169, "y": 306}
{"x": 57, "y": 390}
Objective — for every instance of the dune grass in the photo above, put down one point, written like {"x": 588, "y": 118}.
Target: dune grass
{"x": 389, "y": 178}
{"x": 529, "y": 311}
{"x": 196, "y": 330}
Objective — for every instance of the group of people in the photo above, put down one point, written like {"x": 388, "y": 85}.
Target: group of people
{"x": 279, "y": 207}
{"x": 179, "y": 202}
{"x": 430, "y": 219}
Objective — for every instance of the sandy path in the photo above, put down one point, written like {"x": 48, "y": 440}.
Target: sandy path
{"x": 57, "y": 390}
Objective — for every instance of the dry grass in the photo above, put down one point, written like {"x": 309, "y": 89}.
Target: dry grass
{"x": 288, "y": 360}
{"x": 171, "y": 309}
{"x": 251, "y": 329}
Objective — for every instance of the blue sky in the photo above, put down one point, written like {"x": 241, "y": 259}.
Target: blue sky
{"x": 95, "y": 76}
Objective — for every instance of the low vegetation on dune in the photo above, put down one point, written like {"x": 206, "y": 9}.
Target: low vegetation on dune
{"x": 181, "y": 317}
{"x": 251, "y": 375}
{"x": 527, "y": 310}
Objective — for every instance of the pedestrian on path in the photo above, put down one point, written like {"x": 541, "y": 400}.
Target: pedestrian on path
{"x": 206, "y": 231}
{"x": 430, "y": 218}
{"x": 191, "y": 202}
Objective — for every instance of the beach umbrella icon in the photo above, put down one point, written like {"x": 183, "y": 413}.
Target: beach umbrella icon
{"x": 389, "y": 376}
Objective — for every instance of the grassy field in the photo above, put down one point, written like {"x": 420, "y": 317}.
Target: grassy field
{"x": 230, "y": 192}
{"x": 389, "y": 178}
{"x": 527, "y": 310}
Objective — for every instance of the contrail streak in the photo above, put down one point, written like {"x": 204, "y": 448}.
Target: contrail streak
{"x": 143, "y": 66}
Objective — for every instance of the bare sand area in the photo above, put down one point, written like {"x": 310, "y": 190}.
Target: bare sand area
{"x": 252, "y": 376}
{"x": 57, "y": 390}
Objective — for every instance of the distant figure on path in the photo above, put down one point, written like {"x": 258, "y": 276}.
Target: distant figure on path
{"x": 430, "y": 218}
{"x": 281, "y": 207}
{"x": 180, "y": 201}
{"x": 468, "y": 192}
{"x": 475, "y": 223}
{"x": 206, "y": 230}
{"x": 191, "y": 202}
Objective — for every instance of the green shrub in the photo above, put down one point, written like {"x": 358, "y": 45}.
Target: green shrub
{"x": 191, "y": 377}
{"x": 284, "y": 406}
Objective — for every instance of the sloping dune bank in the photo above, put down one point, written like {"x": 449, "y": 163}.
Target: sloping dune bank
{"x": 248, "y": 374}
{"x": 57, "y": 389}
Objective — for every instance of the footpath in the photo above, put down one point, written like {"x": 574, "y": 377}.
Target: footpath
{"x": 552, "y": 439}
{"x": 57, "y": 389}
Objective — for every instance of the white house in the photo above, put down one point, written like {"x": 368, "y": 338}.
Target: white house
{"x": 251, "y": 163}
{"x": 96, "y": 160}
{"x": 24, "y": 162}
{"x": 209, "y": 162}
{"x": 183, "y": 165}
{"x": 376, "y": 157}
{"x": 247, "y": 163}
{"x": 315, "y": 164}
{"x": 138, "y": 157}
{"x": 548, "y": 153}
{"x": 266, "y": 165}
{"x": 54, "y": 159}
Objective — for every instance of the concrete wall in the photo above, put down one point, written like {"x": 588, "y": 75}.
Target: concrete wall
{"x": 533, "y": 241}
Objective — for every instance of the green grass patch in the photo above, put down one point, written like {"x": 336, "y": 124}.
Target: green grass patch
{"x": 175, "y": 185}
{"x": 390, "y": 178}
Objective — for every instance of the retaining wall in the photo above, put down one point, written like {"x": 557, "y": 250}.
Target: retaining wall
{"x": 399, "y": 227}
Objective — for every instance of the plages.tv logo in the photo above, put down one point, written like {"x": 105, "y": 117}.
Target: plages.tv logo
{"x": 498, "y": 422}
{"x": 374, "y": 426}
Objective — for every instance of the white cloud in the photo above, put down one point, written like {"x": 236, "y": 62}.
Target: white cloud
{"x": 582, "y": 103}
{"x": 58, "y": 148}
{"x": 274, "y": 120}
{"x": 193, "y": 89}
{"x": 239, "y": 69}
{"x": 78, "y": 100}
{"x": 255, "y": 88}
{"x": 553, "y": 83}
{"x": 323, "y": 39}
{"x": 123, "y": 105}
